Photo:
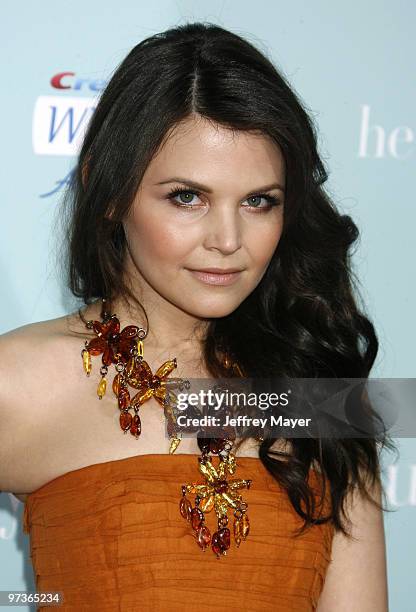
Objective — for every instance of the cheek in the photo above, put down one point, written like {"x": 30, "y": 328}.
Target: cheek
{"x": 155, "y": 239}
{"x": 262, "y": 243}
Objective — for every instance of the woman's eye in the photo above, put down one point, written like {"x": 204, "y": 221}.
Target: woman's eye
{"x": 186, "y": 197}
{"x": 255, "y": 201}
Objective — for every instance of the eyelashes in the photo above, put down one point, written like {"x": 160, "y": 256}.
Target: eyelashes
{"x": 177, "y": 191}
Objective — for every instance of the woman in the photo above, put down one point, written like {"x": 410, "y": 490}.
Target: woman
{"x": 196, "y": 216}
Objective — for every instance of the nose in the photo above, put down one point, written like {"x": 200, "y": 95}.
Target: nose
{"x": 223, "y": 230}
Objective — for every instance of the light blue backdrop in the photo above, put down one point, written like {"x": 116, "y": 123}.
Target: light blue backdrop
{"x": 352, "y": 64}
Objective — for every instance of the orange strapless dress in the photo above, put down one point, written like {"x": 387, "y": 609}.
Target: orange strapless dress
{"x": 110, "y": 536}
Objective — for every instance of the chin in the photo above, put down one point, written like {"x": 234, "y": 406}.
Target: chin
{"x": 213, "y": 311}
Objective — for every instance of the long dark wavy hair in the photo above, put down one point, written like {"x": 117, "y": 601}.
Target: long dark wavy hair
{"x": 303, "y": 319}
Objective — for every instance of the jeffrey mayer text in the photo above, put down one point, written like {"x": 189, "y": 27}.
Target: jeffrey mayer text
{"x": 246, "y": 421}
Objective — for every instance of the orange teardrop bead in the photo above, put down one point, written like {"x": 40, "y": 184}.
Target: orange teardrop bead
{"x": 185, "y": 508}
{"x": 224, "y": 536}
{"x": 116, "y": 384}
{"x": 125, "y": 420}
{"x": 216, "y": 545}
{"x": 203, "y": 537}
{"x": 196, "y": 518}
{"x": 123, "y": 398}
{"x": 136, "y": 426}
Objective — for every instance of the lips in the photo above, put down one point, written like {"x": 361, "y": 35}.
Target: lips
{"x": 217, "y": 276}
{"x": 218, "y": 270}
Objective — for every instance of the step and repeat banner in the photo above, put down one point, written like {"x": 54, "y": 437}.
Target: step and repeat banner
{"x": 352, "y": 64}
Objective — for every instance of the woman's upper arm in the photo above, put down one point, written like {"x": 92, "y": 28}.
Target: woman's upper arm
{"x": 356, "y": 578}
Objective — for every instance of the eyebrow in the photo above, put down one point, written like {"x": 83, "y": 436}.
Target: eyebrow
{"x": 208, "y": 190}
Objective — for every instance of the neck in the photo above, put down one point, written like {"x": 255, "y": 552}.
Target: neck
{"x": 168, "y": 328}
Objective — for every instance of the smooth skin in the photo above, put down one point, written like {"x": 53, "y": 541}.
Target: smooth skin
{"x": 225, "y": 222}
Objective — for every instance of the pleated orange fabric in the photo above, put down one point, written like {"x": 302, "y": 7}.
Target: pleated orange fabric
{"x": 110, "y": 536}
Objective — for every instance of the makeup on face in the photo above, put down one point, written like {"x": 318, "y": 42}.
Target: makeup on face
{"x": 206, "y": 220}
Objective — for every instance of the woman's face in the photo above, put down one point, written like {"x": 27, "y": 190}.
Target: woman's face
{"x": 228, "y": 216}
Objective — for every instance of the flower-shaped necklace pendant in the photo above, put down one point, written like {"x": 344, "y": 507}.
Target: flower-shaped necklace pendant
{"x": 125, "y": 349}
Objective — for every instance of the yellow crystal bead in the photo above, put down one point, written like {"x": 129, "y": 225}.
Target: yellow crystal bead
{"x": 245, "y": 526}
{"x": 140, "y": 348}
{"x": 86, "y": 361}
{"x": 207, "y": 504}
{"x": 102, "y": 387}
{"x": 237, "y": 531}
{"x": 174, "y": 443}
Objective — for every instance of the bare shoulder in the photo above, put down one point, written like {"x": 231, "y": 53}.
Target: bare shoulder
{"x": 68, "y": 325}
{"x": 38, "y": 364}
{"x": 31, "y": 354}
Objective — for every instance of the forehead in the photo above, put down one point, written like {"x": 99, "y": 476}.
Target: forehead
{"x": 203, "y": 150}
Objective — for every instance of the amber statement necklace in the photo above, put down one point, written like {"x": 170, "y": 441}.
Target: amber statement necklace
{"x": 125, "y": 349}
